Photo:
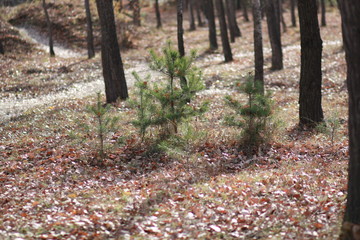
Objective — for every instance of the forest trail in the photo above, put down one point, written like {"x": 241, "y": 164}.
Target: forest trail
{"x": 13, "y": 107}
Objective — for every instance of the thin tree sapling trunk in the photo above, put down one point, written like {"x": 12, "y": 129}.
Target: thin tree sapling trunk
{"x": 157, "y": 12}
{"x": 50, "y": 32}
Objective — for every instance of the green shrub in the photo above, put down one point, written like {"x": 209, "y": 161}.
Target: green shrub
{"x": 253, "y": 117}
{"x": 165, "y": 105}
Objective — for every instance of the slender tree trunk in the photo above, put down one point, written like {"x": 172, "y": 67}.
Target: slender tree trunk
{"x": 158, "y": 16}
{"x": 49, "y": 26}
{"x": 180, "y": 29}
{"x": 89, "y": 31}
{"x": 273, "y": 22}
{"x": 230, "y": 23}
{"x": 245, "y": 5}
{"x": 323, "y": 13}
{"x": 350, "y": 14}
{"x": 223, "y": 31}
{"x": 258, "y": 45}
{"x": 198, "y": 13}
{"x": 113, "y": 70}
{"x": 292, "y": 9}
{"x": 282, "y": 16}
{"x": 191, "y": 14}
{"x": 310, "y": 77}
{"x": 211, "y": 23}
{"x": 232, "y": 17}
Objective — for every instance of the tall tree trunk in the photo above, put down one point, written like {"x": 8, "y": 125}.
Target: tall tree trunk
{"x": 258, "y": 45}
{"x": 198, "y": 13}
{"x": 230, "y": 23}
{"x": 211, "y": 23}
{"x": 89, "y": 31}
{"x": 113, "y": 70}
{"x": 323, "y": 13}
{"x": 223, "y": 31}
{"x": 180, "y": 29}
{"x": 273, "y": 22}
{"x": 292, "y": 10}
{"x": 49, "y": 26}
{"x": 310, "y": 77}
{"x": 157, "y": 12}
{"x": 232, "y": 13}
{"x": 350, "y": 14}
{"x": 283, "y": 23}
{"x": 245, "y": 5}
{"x": 191, "y": 15}
{"x": 136, "y": 12}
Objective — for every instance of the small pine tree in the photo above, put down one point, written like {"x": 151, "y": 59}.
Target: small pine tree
{"x": 167, "y": 104}
{"x": 104, "y": 123}
{"x": 253, "y": 116}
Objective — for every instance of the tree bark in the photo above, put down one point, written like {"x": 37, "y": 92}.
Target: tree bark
{"x": 211, "y": 23}
{"x": 323, "y": 13}
{"x": 198, "y": 13}
{"x": 223, "y": 31}
{"x": 283, "y": 23}
{"x": 258, "y": 45}
{"x": 89, "y": 31}
{"x": 245, "y": 5}
{"x": 49, "y": 26}
{"x": 292, "y": 10}
{"x": 273, "y": 23}
{"x": 350, "y": 14}
{"x": 113, "y": 70}
{"x": 180, "y": 29}
{"x": 230, "y": 23}
{"x": 310, "y": 77}
{"x": 191, "y": 15}
{"x": 232, "y": 18}
{"x": 157, "y": 12}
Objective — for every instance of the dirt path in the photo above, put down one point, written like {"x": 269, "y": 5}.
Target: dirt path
{"x": 12, "y": 107}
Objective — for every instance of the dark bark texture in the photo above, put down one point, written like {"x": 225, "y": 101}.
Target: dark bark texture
{"x": 198, "y": 13}
{"x": 258, "y": 45}
{"x": 244, "y": 4}
{"x": 49, "y": 26}
{"x": 2, "y": 50}
{"x": 273, "y": 23}
{"x": 113, "y": 70}
{"x": 292, "y": 11}
{"x": 157, "y": 12}
{"x": 211, "y": 24}
{"x": 323, "y": 13}
{"x": 180, "y": 29}
{"x": 350, "y": 14}
{"x": 89, "y": 31}
{"x": 310, "y": 112}
{"x": 191, "y": 15}
{"x": 223, "y": 31}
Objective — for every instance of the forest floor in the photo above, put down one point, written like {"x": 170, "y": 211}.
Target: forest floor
{"x": 293, "y": 189}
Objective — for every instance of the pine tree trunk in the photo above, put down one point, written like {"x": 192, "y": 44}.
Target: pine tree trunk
{"x": 292, "y": 10}
{"x": 323, "y": 13}
{"x": 198, "y": 14}
{"x": 245, "y": 5}
{"x": 310, "y": 77}
{"x": 89, "y": 31}
{"x": 158, "y": 16}
{"x": 230, "y": 23}
{"x": 211, "y": 23}
{"x": 113, "y": 70}
{"x": 191, "y": 14}
{"x": 180, "y": 29}
{"x": 273, "y": 22}
{"x": 283, "y": 23}
{"x": 223, "y": 31}
{"x": 258, "y": 45}
{"x": 50, "y": 32}
{"x": 350, "y": 14}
